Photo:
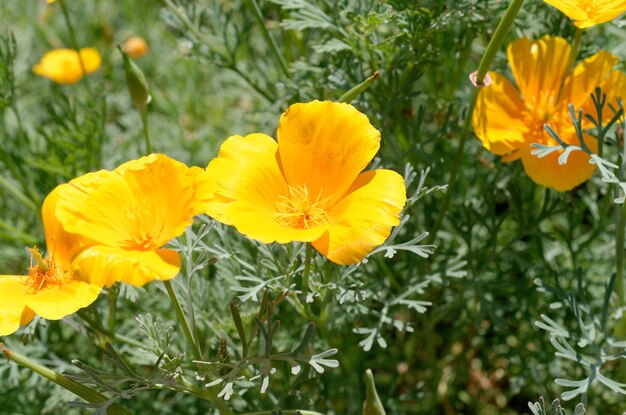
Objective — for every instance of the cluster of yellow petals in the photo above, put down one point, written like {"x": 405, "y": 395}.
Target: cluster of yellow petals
{"x": 508, "y": 119}
{"x": 111, "y": 226}
{"x": 309, "y": 186}
{"x": 51, "y": 289}
{"x": 587, "y": 13}
{"x": 65, "y": 66}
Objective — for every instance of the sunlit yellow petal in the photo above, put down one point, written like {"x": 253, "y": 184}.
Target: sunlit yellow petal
{"x": 615, "y": 87}
{"x": 27, "y": 316}
{"x": 62, "y": 246}
{"x": 498, "y": 117}
{"x": 325, "y": 145}
{"x": 587, "y": 13}
{"x": 105, "y": 265}
{"x": 364, "y": 218}
{"x": 12, "y": 303}
{"x": 56, "y": 302}
{"x": 587, "y": 75}
{"x": 249, "y": 185}
{"x": 546, "y": 171}
{"x": 63, "y": 66}
{"x": 539, "y": 68}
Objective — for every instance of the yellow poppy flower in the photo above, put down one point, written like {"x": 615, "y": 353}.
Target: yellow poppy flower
{"x": 308, "y": 186}
{"x": 508, "y": 120}
{"x": 587, "y": 13}
{"x": 51, "y": 289}
{"x": 128, "y": 214}
{"x": 63, "y": 66}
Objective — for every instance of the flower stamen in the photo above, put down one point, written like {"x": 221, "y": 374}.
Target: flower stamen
{"x": 298, "y": 211}
{"x": 43, "y": 272}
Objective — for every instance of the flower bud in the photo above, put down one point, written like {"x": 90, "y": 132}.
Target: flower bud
{"x": 135, "y": 47}
{"x": 136, "y": 82}
{"x": 372, "y": 404}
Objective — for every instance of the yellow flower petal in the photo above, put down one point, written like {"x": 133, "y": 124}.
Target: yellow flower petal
{"x": 325, "y": 145}
{"x": 587, "y": 75}
{"x": 105, "y": 265}
{"x": 588, "y": 13}
{"x": 497, "y": 117}
{"x": 615, "y": 87}
{"x": 249, "y": 185}
{"x": 62, "y": 246}
{"x": 363, "y": 219}
{"x": 539, "y": 68}
{"x": 546, "y": 171}
{"x": 12, "y": 303}
{"x": 63, "y": 66}
{"x": 56, "y": 302}
{"x": 142, "y": 205}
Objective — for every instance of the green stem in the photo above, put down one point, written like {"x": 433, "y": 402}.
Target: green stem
{"x": 308, "y": 255}
{"x": 143, "y": 110}
{"x": 19, "y": 196}
{"x": 292, "y": 412}
{"x": 180, "y": 314}
{"x": 78, "y": 389}
{"x": 111, "y": 335}
{"x": 268, "y": 38}
{"x": 575, "y": 46}
{"x": 619, "y": 262}
{"x": 112, "y": 297}
{"x": 485, "y": 63}
{"x": 74, "y": 43}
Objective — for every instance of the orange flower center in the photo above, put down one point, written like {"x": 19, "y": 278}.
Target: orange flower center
{"x": 144, "y": 226}
{"x": 44, "y": 273}
{"x": 298, "y": 210}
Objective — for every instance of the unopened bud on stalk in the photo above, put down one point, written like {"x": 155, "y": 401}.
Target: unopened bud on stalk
{"x": 136, "y": 82}
{"x": 372, "y": 404}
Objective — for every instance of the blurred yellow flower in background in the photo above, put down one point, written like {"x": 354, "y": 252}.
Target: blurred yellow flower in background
{"x": 135, "y": 47}
{"x": 129, "y": 214}
{"x": 508, "y": 119}
{"x": 63, "y": 66}
{"x": 50, "y": 290}
{"x": 308, "y": 186}
{"x": 587, "y": 13}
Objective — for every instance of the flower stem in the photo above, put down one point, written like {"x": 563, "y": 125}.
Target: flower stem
{"x": 619, "y": 263}
{"x": 180, "y": 314}
{"x": 143, "y": 111}
{"x": 268, "y": 38}
{"x": 209, "y": 395}
{"x": 308, "y": 255}
{"x": 485, "y": 63}
{"x": 111, "y": 335}
{"x": 78, "y": 389}
{"x": 74, "y": 43}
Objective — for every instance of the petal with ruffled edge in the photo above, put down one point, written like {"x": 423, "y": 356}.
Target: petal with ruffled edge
{"x": 325, "y": 145}
{"x": 12, "y": 303}
{"x": 594, "y": 12}
{"x": 249, "y": 186}
{"x": 105, "y": 265}
{"x": 498, "y": 117}
{"x": 168, "y": 192}
{"x": 539, "y": 68}
{"x": 364, "y": 218}
{"x": 588, "y": 74}
{"x": 62, "y": 246}
{"x": 546, "y": 171}
{"x": 55, "y": 302}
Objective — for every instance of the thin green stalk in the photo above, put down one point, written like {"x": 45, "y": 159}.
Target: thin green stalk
{"x": 575, "y": 46}
{"x": 292, "y": 412}
{"x": 19, "y": 196}
{"x": 74, "y": 43}
{"x": 78, "y": 389}
{"x": 111, "y": 335}
{"x": 268, "y": 38}
{"x": 308, "y": 255}
{"x": 619, "y": 263}
{"x": 485, "y": 63}
{"x": 146, "y": 134}
{"x": 180, "y": 314}
{"x": 112, "y": 298}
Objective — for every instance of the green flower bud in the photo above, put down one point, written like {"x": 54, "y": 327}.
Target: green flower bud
{"x": 372, "y": 404}
{"x": 136, "y": 82}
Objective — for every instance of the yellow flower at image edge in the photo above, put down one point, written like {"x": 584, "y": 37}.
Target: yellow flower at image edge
{"x": 128, "y": 214}
{"x": 308, "y": 186}
{"x": 508, "y": 120}
{"x": 51, "y": 290}
{"x": 587, "y": 13}
{"x": 63, "y": 66}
